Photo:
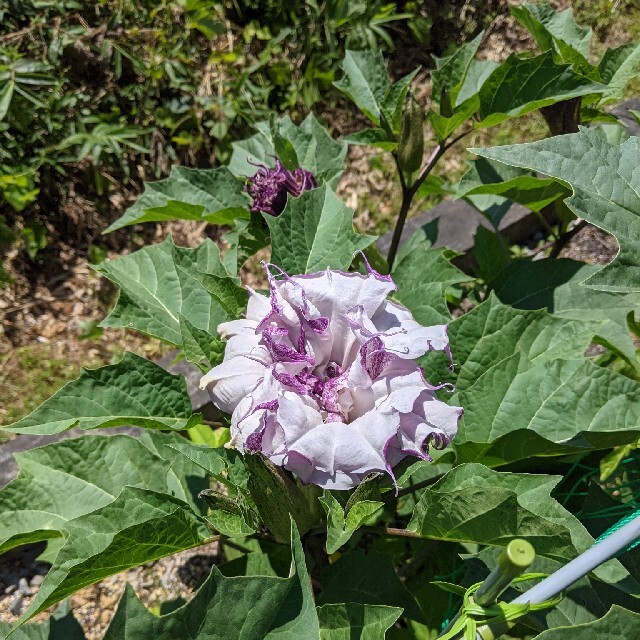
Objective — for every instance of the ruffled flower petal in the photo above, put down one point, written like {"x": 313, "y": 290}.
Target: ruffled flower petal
{"x": 321, "y": 378}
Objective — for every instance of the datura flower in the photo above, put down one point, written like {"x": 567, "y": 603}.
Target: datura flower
{"x": 320, "y": 377}
{"x": 269, "y": 187}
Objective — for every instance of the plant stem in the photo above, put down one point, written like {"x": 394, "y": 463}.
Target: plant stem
{"x": 419, "y": 485}
{"x": 408, "y": 192}
{"x": 391, "y": 531}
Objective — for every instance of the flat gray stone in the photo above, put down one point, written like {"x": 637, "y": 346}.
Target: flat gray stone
{"x": 622, "y": 111}
{"x": 457, "y": 224}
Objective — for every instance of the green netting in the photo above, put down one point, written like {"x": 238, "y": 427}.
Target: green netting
{"x": 622, "y": 487}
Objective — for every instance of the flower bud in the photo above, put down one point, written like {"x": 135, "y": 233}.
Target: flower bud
{"x": 411, "y": 143}
{"x": 269, "y": 187}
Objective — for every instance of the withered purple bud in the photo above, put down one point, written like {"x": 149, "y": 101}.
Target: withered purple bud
{"x": 269, "y": 187}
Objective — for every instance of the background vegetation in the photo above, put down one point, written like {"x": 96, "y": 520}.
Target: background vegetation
{"x": 98, "y": 95}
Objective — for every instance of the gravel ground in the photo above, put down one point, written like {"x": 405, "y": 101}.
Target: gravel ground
{"x": 177, "y": 576}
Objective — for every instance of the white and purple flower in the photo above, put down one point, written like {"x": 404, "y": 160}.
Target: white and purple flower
{"x": 321, "y": 378}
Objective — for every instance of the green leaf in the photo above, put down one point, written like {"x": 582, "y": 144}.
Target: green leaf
{"x": 235, "y": 608}
{"x": 547, "y": 26}
{"x": 367, "y": 578}
{"x": 372, "y": 137}
{"x": 315, "y": 231}
{"x": 444, "y": 126}
{"x": 231, "y": 525}
{"x": 521, "y": 85}
{"x": 353, "y": 621}
{"x": 487, "y": 183}
{"x": 133, "y": 392}
{"x": 423, "y": 277}
{"x": 158, "y": 283}
{"x": 555, "y": 285}
{"x": 186, "y": 479}
{"x": 518, "y": 372}
{"x": 229, "y": 295}
{"x": 60, "y": 626}
{"x": 477, "y": 72}
{"x": 204, "y": 456}
{"x": 365, "y": 81}
{"x": 277, "y": 498}
{"x": 214, "y": 195}
{"x": 606, "y": 192}
{"x": 491, "y": 253}
{"x": 472, "y": 503}
{"x": 245, "y": 239}
{"x": 394, "y": 101}
{"x": 199, "y": 346}
{"x": 451, "y": 71}
{"x": 67, "y": 479}
{"x": 617, "y": 67}
{"x": 6, "y": 94}
{"x": 341, "y": 528}
{"x": 315, "y": 149}
{"x": 138, "y": 527}
{"x": 617, "y": 624}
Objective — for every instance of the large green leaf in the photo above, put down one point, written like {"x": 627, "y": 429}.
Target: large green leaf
{"x": 367, "y": 578}
{"x": 161, "y": 282}
{"x": 315, "y": 231}
{"x": 67, "y": 479}
{"x": 367, "y": 84}
{"x": 555, "y": 285}
{"x": 606, "y": 191}
{"x": 547, "y": 26}
{"x": 138, "y": 527}
{"x": 527, "y": 390}
{"x": 618, "y": 624}
{"x": 476, "y": 75}
{"x": 354, "y": 621}
{"x": 314, "y": 149}
{"x": 214, "y": 195}
{"x": 451, "y": 71}
{"x": 133, "y": 392}
{"x": 423, "y": 277}
{"x": 617, "y": 67}
{"x": 472, "y": 503}
{"x": 237, "y": 608}
{"x": 365, "y": 81}
{"x": 521, "y": 85}
{"x": 488, "y": 185}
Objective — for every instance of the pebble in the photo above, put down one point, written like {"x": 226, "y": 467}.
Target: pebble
{"x": 10, "y": 589}
{"x": 105, "y": 617}
{"x": 16, "y": 605}
{"x": 23, "y": 587}
{"x": 36, "y": 581}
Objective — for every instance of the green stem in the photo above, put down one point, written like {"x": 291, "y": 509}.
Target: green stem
{"x": 391, "y": 531}
{"x": 408, "y": 192}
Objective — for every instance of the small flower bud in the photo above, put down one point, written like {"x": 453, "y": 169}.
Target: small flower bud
{"x": 411, "y": 143}
{"x": 269, "y": 187}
